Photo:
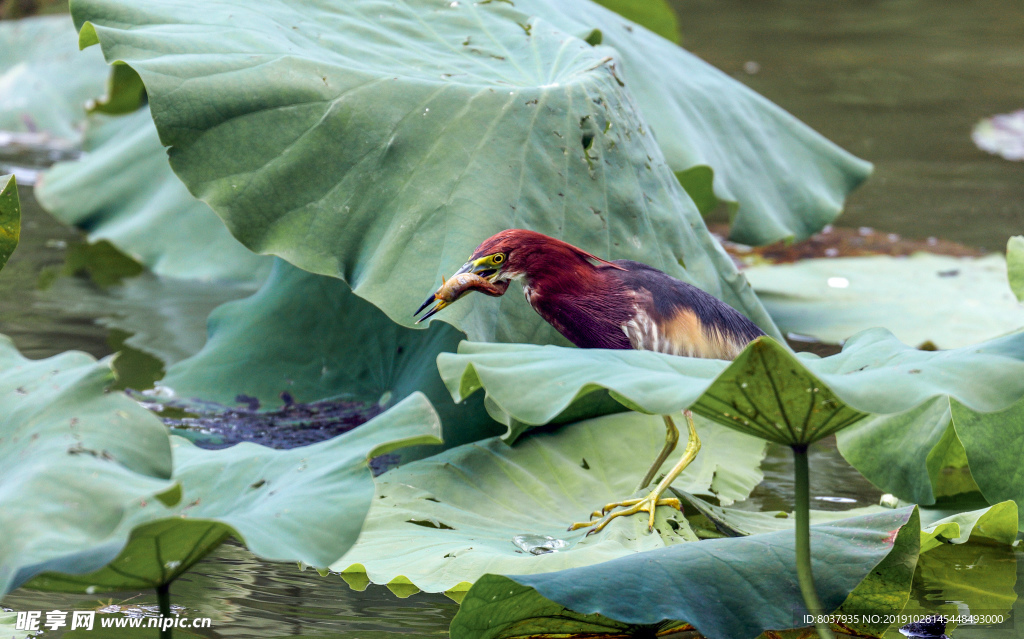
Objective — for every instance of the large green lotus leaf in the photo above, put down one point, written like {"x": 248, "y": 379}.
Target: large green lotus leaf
{"x": 948, "y": 301}
{"x": 310, "y": 336}
{"x": 123, "y": 190}
{"x": 729, "y": 588}
{"x": 451, "y": 518}
{"x": 74, "y": 460}
{"x": 303, "y": 504}
{"x": 1015, "y": 265}
{"x": 44, "y": 79}
{"x": 781, "y": 180}
{"x": 380, "y": 143}
{"x": 10, "y": 217}
{"x": 940, "y": 449}
{"x": 767, "y": 390}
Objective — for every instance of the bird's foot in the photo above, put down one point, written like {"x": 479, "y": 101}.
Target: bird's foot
{"x": 646, "y": 504}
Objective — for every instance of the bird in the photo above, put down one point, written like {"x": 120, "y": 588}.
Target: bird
{"x": 618, "y": 304}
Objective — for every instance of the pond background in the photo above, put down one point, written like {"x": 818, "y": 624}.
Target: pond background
{"x": 898, "y": 82}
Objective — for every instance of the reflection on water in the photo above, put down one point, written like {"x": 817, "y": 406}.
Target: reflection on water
{"x": 246, "y": 597}
{"x": 898, "y": 82}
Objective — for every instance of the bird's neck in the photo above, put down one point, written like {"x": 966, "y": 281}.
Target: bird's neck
{"x": 581, "y": 301}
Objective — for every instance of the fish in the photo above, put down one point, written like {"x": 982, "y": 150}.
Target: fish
{"x": 455, "y": 287}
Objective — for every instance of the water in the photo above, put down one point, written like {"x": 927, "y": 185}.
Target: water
{"x": 899, "y": 82}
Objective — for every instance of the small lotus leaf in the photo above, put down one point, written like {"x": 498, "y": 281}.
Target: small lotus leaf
{"x": 10, "y": 217}
{"x": 123, "y": 191}
{"x": 730, "y": 588}
{"x": 304, "y": 504}
{"x": 767, "y": 391}
{"x": 948, "y": 301}
{"x": 453, "y": 517}
{"x": 46, "y": 80}
{"x": 74, "y": 460}
{"x": 996, "y": 524}
{"x": 1015, "y": 265}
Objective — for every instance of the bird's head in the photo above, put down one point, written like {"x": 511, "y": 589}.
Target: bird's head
{"x": 503, "y": 257}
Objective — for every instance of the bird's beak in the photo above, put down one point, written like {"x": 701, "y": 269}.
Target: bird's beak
{"x": 430, "y": 298}
{"x": 478, "y": 267}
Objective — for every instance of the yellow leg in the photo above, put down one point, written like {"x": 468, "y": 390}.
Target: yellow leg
{"x": 649, "y": 503}
{"x": 671, "y": 439}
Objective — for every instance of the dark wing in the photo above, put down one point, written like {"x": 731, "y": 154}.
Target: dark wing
{"x": 680, "y": 319}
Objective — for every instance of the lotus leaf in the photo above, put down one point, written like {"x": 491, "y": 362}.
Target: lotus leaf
{"x": 10, "y": 217}
{"x": 8, "y": 622}
{"x": 785, "y": 397}
{"x": 780, "y": 179}
{"x": 993, "y": 524}
{"x": 451, "y": 518}
{"x": 123, "y": 191}
{"x": 1015, "y": 265}
{"x": 942, "y": 448}
{"x": 996, "y": 524}
{"x": 948, "y": 301}
{"x": 74, "y": 460}
{"x": 385, "y": 154}
{"x": 309, "y": 336}
{"x": 171, "y": 330}
{"x": 304, "y": 504}
{"x": 734, "y": 588}
{"x": 125, "y": 92}
{"x": 44, "y": 79}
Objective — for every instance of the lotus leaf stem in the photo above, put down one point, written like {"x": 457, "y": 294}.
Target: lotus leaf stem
{"x": 803, "y": 539}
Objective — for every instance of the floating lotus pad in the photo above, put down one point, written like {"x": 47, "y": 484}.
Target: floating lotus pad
{"x": 948, "y": 301}
{"x": 73, "y": 461}
{"x": 483, "y": 507}
{"x": 304, "y": 504}
{"x": 730, "y": 588}
{"x": 46, "y": 79}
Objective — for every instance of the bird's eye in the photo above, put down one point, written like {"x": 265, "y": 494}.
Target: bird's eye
{"x": 498, "y": 259}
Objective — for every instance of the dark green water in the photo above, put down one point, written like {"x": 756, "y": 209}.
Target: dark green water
{"x": 898, "y": 82}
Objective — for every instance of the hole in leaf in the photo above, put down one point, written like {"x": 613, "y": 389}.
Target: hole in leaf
{"x": 426, "y": 523}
